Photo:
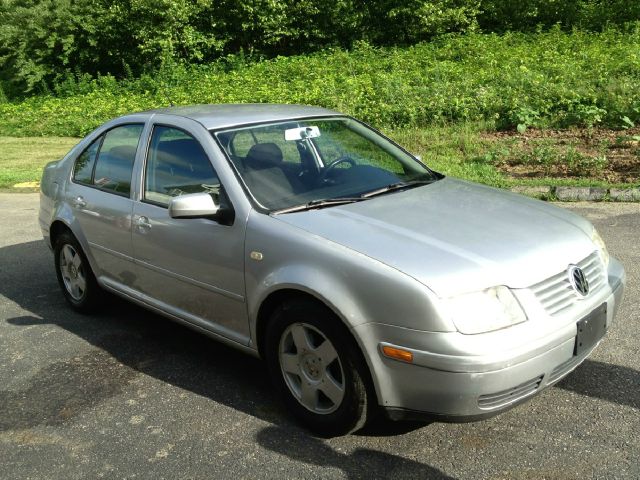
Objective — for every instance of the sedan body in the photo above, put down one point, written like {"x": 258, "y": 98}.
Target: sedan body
{"x": 365, "y": 280}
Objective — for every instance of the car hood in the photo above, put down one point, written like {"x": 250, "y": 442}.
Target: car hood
{"x": 455, "y": 237}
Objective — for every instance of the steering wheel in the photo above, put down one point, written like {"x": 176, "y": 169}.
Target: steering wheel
{"x": 334, "y": 164}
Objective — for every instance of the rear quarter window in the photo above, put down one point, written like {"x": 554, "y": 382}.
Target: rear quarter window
{"x": 83, "y": 169}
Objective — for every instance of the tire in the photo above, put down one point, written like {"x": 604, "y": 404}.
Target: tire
{"x": 317, "y": 368}
{"x": 76, "y": 279}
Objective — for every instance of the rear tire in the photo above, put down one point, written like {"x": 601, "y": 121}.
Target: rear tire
{"x": 76, "y": 279}
{"x": 317, "y": 368}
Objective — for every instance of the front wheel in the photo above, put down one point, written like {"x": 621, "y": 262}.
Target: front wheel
{"x": 317, "y": 369}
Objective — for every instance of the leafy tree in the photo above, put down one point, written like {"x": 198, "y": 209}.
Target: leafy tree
{"x": 60, "y": 44}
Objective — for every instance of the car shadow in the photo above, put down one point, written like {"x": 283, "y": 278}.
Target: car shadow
{"x": 613, "y": 383}
{"x": 361, "y": 463}
{"x": 124, "y": 335}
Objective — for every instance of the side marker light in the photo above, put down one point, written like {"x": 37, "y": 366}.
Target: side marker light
{"x": 397, "y": 354}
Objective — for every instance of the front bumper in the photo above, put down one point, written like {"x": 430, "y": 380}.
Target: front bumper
{"x": 458, "y": 387}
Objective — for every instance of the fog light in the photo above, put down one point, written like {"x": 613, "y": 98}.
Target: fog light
{"x": 397, "y": 354}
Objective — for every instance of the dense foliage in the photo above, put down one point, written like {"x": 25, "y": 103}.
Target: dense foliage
{"x": 512, "y": 80}
{"x": 45, "y": 42}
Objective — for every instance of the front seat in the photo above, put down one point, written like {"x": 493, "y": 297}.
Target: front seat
{"x": 264, "y": 174}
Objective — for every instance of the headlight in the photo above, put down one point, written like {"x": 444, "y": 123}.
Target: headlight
{"x": 598, "y": 242}
{"x": 485, "y": 311}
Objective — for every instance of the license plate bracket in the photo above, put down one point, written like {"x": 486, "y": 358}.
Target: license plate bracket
{"x": 591, "y": 329}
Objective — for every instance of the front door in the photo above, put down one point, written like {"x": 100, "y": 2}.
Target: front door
{"x": 193, "y": 268}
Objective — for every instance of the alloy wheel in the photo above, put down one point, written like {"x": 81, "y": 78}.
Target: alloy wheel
{"x": 311, "y": 368}
{"x": 72, "y": 270}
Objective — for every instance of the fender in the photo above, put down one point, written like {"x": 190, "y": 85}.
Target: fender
{"x": 357, "y": 288}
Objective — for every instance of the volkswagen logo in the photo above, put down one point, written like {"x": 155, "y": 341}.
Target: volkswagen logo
{"x": 578, "y": 280}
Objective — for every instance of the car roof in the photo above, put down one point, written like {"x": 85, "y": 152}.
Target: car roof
{"x": 229, "y": 115}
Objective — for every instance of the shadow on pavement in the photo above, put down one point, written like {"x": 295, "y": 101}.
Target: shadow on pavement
{"x": 129, "y": 340}
{"x": 612, "y": 383}
{"x": 361, "y": 463}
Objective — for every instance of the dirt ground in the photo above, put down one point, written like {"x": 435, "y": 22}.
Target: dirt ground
{"x": 608, "y": 155}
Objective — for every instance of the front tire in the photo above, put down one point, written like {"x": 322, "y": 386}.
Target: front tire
{"x": 317, "y": 368}
{"x": 74, "y": 273}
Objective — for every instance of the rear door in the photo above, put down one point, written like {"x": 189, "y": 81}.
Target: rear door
{"x": 100, "y": 197}
{"x": 193, "y": 268}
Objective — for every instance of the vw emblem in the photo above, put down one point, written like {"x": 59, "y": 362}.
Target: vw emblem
{"x": 578, "y": 280}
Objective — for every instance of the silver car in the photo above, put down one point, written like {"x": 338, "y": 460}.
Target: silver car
{"x": 365, "y": 280}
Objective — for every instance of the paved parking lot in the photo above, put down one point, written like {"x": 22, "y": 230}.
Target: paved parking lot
{"x": 128, "y": 394}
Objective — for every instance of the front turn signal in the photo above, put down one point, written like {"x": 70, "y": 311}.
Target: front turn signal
{"x": 397, "y": 354}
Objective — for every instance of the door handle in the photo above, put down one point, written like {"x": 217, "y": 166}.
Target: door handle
{"x": 143, "y": 222}
{"x": 79, "y": 202}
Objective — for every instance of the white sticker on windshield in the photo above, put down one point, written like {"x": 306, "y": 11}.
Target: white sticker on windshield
{"x": 301, "y": 133}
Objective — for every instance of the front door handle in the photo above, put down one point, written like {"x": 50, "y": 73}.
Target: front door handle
{"x": 79, "y": 202}
{"x": 143, "y": 223}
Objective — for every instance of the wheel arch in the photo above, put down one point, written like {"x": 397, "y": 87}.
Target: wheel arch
{"x": 57, "y": 228}
{"x": 278, "y": 297}
{"x": 64, "y": 222}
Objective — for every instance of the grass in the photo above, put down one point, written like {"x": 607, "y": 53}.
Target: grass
{"x": 569, "y": 157}
{"x": 474, "y": 151}
{"x": 22, "y": 159}
{"x": 451, "y": 150}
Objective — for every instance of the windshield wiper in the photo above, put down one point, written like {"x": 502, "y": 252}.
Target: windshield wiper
{"x": 320, "y": 203}
{"x": 396, "y": 186}
{"x": 329, "y": 202}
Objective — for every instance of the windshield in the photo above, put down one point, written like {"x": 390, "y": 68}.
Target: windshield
{"x": 296, "y": 162}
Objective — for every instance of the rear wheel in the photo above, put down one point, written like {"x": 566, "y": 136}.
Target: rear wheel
{"x": 317, "y": 368}
{"x": 74, "y": 274}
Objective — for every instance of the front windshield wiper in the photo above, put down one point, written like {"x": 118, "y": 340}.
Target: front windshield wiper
{"x": 396, "y": 186}
{"x": 320, "y": 203}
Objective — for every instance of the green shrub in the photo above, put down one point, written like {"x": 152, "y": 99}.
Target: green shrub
{"x": 548, "y": 79}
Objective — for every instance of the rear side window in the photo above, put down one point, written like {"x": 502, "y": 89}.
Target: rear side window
{"x": 176, "y": 165}
{"x": 114, "y": 165}
{"x": 83, "y": 170}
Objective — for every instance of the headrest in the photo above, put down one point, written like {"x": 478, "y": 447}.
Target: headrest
{"x": 264, "y": 155}
{"x": 123, "y": 152}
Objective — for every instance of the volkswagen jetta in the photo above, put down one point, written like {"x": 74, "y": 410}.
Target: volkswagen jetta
{"x": 366, "y": 280}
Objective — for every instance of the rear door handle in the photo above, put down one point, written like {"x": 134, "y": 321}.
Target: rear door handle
{"x": 79, "y": 202}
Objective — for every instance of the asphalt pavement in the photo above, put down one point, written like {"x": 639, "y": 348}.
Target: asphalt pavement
{"x": 128, "y": 394}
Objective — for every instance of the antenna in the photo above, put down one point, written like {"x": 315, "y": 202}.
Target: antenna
{"x": 166, "y": 94}
{"x": 164, "y": 73}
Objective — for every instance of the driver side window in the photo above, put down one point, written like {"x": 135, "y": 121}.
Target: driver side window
{"x": 176, "y": 165}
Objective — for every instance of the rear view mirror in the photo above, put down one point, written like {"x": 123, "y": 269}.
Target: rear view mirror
{"x": 193, "y": 205}
{"x": 301, "y": 133}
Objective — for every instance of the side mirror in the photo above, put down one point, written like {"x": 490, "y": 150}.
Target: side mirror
{"x": 194, "y": 205}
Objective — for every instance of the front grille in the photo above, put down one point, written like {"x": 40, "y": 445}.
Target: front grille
{"x": 505, "y": 397}
{"x": 556, "y": 294}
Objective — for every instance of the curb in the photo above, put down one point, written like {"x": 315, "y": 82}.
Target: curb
{"x": 580, "y": 194}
